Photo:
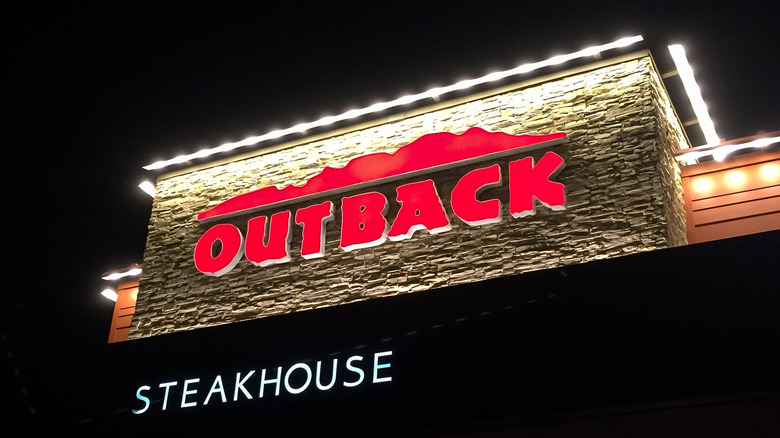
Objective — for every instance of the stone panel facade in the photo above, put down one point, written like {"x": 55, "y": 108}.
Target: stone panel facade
{"x": 623, "y": 196}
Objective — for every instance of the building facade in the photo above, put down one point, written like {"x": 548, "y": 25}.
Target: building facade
{"x": 623, "y": 196}
{"x": 517, "y": 260}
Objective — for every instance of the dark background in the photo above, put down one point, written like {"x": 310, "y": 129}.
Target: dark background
{"x": 92, "y": 92}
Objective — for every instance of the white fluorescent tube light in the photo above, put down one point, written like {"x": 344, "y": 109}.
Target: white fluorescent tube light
{"x": 148, "y": 187}
{"x": 719, "y": 153}
{"x": 118, "y": 275}
{"x": 110, "y": 294}
{"x": 429, "y": 94}
{"x": 694, "y": 94}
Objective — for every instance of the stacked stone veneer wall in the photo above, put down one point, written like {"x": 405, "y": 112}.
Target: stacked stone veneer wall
{"x": 623, "y": 196}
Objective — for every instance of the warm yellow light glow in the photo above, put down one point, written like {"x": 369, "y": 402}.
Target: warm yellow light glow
{"x": 736, "y": 178}
{"x": 702, "y": 185}
{"x": 433, "y": 93}
{"x": 770, "y": 172}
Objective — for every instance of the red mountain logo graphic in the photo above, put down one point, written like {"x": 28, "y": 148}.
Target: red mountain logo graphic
{"x": 428, "y": 153}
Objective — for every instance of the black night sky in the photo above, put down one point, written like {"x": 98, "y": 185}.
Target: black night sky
{"x": 94, "y": 92}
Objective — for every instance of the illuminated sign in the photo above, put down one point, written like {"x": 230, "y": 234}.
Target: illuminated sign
{"x": 295, "y": 380}
{"x": 364, "y": 221}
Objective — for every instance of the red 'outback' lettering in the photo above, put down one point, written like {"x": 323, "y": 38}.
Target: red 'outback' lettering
{"x": 364, "y": 221}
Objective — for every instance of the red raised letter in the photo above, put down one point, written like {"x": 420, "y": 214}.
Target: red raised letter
{"x": 421, "y": 209}
{"x": 363, "y": 222}
{"x": 313, "y": 219}
{"x": 275, "y": 248}
{"x": 528, "y": 181}
{"x": 465, "y": 204}
{"x": 232, "y": 244}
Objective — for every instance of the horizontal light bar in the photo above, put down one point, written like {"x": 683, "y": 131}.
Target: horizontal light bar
{"x": 694, "y": 94}
{"x": 110, "y": 294}
{"x": 404, "y": 100}
{"x": 117, "y": 275}
{"x": 148, "y": 187}
{"x": 719, "y": 153}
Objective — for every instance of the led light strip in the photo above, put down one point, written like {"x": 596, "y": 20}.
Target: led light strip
{"x": 110, "y": 294}
{"x": 118, "y": 275}
{"x": 694, "y": 94}
{"x": 719, "y": 153}
{"x": 432, "y": 93}
{"x": 148, "y": 187}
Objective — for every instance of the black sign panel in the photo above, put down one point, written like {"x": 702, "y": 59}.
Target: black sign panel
{"x": 657, "y": 328}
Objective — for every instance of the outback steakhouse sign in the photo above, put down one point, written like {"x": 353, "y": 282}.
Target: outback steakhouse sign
{"x": 364, "y": 221}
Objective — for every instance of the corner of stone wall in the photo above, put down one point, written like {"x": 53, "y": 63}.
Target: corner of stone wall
{"x": 142, "y": 303}
{"x": 623, "y": 134}
{"x": 671, "y": 138}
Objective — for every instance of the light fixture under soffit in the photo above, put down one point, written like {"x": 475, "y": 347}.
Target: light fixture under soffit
{"x": 685, "y": 72}
{"x": 719, "y": 153}
{"x": 148, "y": 187}
{"x": 433, "y": 93}
{"x": 110, "y": 294}
{"x": 117, "y": 275}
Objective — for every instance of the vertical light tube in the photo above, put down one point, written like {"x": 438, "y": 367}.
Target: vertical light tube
{"x": 694, "y": 94}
